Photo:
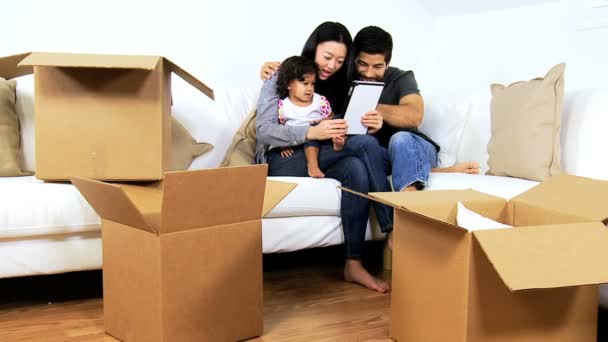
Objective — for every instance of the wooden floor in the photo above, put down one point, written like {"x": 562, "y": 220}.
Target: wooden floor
{"x": 305, "y": 300}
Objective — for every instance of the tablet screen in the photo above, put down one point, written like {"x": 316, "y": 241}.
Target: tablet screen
{"x": 362, "y": 97}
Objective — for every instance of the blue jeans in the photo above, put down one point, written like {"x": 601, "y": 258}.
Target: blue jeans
{"x": 360, "y": 166}
{"x": 412, "y": 158}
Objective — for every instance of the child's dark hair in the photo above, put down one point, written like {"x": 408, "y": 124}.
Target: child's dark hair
{"x": 294, "y": 68}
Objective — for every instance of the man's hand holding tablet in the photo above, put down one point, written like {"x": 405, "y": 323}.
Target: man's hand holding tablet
{"x": 363, "y": 98}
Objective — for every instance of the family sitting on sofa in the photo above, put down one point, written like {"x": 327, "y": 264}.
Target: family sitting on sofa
{"x": 297, "y": 136}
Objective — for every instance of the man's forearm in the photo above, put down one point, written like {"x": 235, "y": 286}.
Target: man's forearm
{"x": 401, "y": 116}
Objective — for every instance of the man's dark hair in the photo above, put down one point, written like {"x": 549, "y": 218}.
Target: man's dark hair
{"x": 293, "y": 68}
{"x": 374, "y": 41}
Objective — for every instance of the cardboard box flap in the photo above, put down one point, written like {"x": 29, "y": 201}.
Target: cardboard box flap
{"x": 73, "y": 60}
{"x": 274, "y": 193}
{"x": 186, "y": 76}
{"x": 204, "y": 198}
{"x": 111, "y": 203}
{"x": 416, "y": 199}
{"x": 442, "y": 204}
{"x": 571, "y": 195}
{"x": 148, "y": 199}
{"x": 436, "y": 205}
{"x": 540, "y": 257}
{"x": 9, "y": 66}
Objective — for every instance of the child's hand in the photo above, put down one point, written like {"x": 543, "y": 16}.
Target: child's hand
{"x": 286, "y": 152}
{"x": 339, "y": 142}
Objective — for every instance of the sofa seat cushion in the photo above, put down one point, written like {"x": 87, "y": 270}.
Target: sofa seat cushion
{"x": 312, "y": 197}
{"x": 31, "y": 207}
{"x": 50, "y": 254}
{"x": 505, "y": 187}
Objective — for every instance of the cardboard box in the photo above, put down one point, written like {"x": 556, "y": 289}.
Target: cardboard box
{"x": 535, "y": 282}
{"x": 104, "y": 117}
{"x": 182, "y": 258}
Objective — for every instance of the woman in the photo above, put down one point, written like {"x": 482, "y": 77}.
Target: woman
{"x": 360, "y": 166}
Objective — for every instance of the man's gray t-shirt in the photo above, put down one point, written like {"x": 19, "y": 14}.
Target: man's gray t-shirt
{"x": 397, "y": 84}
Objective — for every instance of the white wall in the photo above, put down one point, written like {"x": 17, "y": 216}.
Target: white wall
{"x": 222, "y": 42}
{"x": 472, "y": 51}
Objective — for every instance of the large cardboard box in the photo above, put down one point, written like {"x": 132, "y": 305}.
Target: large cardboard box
{"x": 536, "y": 282}
{"x": 182, "y": 258}
{"x": 104, "y": 117}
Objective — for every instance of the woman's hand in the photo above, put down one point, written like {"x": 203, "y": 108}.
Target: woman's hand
{"x": 327, "y": 129}
{"x": 268, "y": 69}
{"x": 373, "y": 121}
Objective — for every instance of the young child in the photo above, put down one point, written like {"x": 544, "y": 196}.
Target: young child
{"x": 301, "y": 106}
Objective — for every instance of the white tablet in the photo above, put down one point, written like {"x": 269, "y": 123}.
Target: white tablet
{"x": 362, "y": 97}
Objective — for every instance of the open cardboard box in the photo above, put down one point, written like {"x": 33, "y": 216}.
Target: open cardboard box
{"x": 105, "y": 117}
{"x": 535, "y": 282}
{"x": 182, "y": 258}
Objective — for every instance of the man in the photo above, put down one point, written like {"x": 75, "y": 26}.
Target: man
{"x": 412, "y": 154}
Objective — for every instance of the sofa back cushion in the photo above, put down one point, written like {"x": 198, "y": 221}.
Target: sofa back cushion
{"x": 242, "y": 148}
{"x": 183, "y": 147}
{"x": 25, "y": 111}
{"x": 215, "y": 122}
{"x": 526, "y": 123}
{"x": 584, "y": 124}
{"x": 476, "y": 133}
{"x": 444, "y": 121}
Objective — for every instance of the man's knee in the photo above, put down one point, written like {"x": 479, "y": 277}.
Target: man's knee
{"x": 362, "y": 140}
{"x": 402, "y": 140}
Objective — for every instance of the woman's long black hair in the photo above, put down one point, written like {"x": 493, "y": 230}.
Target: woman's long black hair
{"x": 336, "y": 86}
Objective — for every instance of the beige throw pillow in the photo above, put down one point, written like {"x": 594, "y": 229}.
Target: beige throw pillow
{"x": 526, "y": 123}
{"x": 242, "y": 149}
{"x": 9, "y": 131}
{"x": 184, "y": 148}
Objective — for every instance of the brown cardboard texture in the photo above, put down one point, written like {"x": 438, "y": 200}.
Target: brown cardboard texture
{"x": 9, "y": 66}
{"x": 275, "y": 192}
{"x": 528, "y": 283}
{"x": 104, "y": 117}
{"x": 182, "y": 258}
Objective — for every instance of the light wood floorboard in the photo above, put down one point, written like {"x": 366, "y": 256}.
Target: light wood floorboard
{"x": 302, "y": 303}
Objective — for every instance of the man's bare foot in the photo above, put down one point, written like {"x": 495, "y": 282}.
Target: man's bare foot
{"x": 354, "y": 272}
{"x": 315, "y": 172}
{"x": 410, "y": 188}
{"x": 390, "y": 240}
{"x": 470, "y": 167}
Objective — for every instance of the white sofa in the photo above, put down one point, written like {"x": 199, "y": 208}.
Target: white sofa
{"x": 49, "y": 228}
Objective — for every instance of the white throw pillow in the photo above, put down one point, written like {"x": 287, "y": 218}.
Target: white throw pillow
{"x": 477, "y": 130}
{"x": 444, "y": 119}
{"x": 584, "y": 124}
{"x": 25, "y": 111}
{"x": 472, "y": 221}
{"x": 214, "y": 122}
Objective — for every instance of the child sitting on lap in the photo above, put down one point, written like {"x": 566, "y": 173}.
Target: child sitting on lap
{"x": 301, "y": 106}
